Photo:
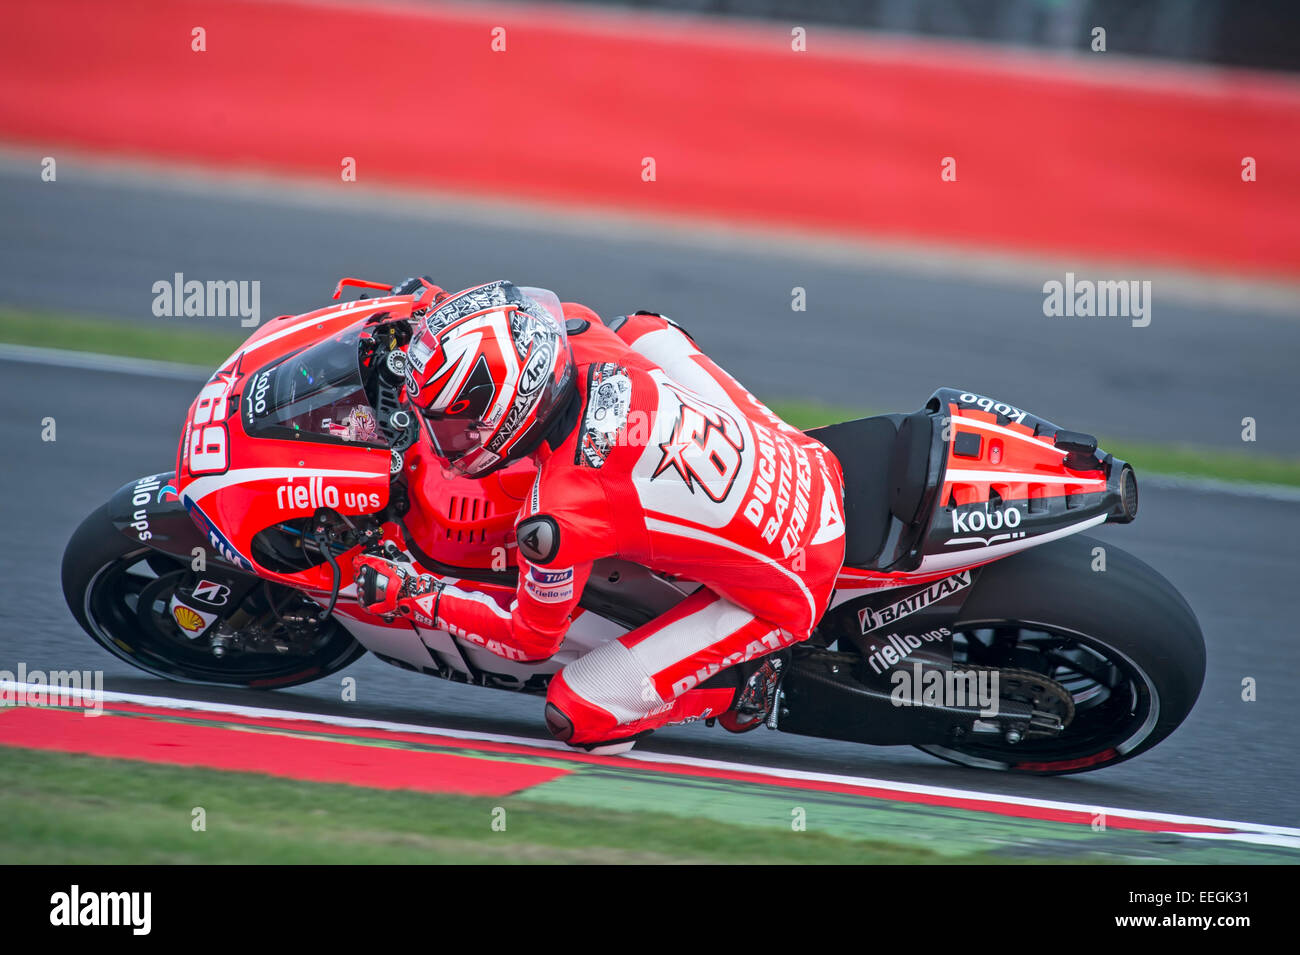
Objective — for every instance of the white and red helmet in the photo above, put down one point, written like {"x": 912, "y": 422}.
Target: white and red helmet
{"x": 490, "y": 369}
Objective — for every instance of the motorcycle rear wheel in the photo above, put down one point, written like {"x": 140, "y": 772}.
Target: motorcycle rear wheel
{"x": 1122, "y": 641}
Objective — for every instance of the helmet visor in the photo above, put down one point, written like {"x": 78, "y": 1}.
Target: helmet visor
{"x": 453, "y": 438}
{"x": 486, "y": 417}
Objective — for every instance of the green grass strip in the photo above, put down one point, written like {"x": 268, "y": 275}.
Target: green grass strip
{"x": 170, "y": 339}
{"x": 1146, "y": 457}
{"x": 58, "y": 808}
{"x": 173, "y": 340}
{"x": 631, "y": 787}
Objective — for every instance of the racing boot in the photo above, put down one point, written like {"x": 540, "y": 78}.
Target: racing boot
{"x": 590, "y": 727}
{"x": 756, "y": 701}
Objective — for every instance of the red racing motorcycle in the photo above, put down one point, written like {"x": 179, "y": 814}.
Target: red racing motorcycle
{"x": 973, "y": 617}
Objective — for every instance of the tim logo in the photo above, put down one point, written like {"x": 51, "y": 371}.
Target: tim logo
{"x": 220, "y": 543}
{"x": 704, "y": 448}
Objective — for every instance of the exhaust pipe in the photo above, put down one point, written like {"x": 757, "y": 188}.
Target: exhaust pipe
{"x": 1126, "y": 490}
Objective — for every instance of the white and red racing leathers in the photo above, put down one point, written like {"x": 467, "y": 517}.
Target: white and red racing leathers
{"x": 673, "y": 465}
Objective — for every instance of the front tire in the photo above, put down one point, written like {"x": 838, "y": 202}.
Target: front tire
{"x": 118, "y": 591}
{"x": 1122, "y": 640}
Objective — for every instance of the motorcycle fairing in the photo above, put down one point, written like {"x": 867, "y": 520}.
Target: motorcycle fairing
{"x": 149, "y": 510}
{"x": 936, "y": 487}
{"x": 964, "y": 481}
{"x": 280, "y": 432}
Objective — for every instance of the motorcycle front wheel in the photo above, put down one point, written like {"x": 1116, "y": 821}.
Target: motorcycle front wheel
{"x": 120, "y": 593}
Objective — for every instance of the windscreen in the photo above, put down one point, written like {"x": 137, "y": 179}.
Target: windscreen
{"x": 315, "y": 395}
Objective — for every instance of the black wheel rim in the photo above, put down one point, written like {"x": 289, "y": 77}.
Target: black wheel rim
{"x": 127, "y": 605}
{"x": 1116, "y": 706}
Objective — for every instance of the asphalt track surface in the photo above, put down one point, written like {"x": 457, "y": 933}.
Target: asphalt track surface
{"x": 872, "y": 337}
{"x": 97, "y": 249}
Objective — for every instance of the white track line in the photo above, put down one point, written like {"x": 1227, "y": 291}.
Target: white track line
{"x": 1246, "y": 831}
{"x": 1180, "y": 482}
{"x": 92, "y": 361}
{"x": 95, "y": 361}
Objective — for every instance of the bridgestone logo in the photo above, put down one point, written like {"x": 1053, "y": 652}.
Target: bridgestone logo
{"x": 871, "y": 619}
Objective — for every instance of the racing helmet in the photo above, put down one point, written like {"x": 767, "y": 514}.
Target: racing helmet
{"x": 489, "y": 370}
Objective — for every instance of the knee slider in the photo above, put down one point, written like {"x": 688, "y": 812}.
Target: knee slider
{"x": 560, "y": 726}
{"x": 569, "y": 714}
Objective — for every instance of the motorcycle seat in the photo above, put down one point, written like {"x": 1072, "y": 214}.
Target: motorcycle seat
{"x": 885, "y": 460}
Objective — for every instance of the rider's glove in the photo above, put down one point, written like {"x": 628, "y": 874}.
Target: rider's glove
{"x": 384, "y": 583}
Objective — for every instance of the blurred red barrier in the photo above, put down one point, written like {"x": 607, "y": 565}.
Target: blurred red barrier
{"x": 1107, "y": 161}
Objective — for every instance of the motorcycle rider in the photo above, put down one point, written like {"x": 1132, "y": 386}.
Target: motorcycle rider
{"x": 646, "y": 450}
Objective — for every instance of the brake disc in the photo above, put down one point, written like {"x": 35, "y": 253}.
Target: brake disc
{"x": 1051, "y": 704}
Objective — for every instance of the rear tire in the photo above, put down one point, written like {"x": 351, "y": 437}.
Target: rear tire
{"x": 102, "y": 573}
{"x": 1123, "y": 641}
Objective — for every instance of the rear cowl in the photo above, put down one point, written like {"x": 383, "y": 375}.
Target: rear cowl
{"x": 1010, "y": 480}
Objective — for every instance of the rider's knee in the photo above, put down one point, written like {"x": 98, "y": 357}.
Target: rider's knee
{"x": 598, "y": 691}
